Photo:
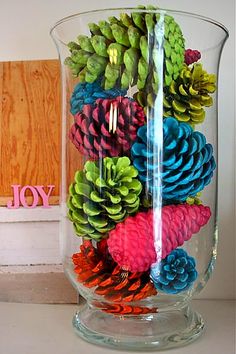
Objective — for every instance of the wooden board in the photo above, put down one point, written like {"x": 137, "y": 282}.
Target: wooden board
{"x": 30, "y": 125}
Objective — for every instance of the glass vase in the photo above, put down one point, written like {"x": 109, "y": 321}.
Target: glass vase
{"x": 139, "y": 171}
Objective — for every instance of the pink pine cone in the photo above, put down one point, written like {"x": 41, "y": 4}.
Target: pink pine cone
{"x": 91, "y": 132}
{"x": 131, "y": 243}
{"x": 191, "y": 56}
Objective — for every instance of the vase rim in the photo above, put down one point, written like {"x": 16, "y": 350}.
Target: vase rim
{"x": 159, "y": 10}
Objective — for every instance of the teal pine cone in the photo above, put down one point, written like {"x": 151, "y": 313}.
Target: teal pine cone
{"x": 120, "y": 50}
{"x": 103, "y": 195}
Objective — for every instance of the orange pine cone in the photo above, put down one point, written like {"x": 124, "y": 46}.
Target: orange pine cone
{"x": 94, "y": 269}
{"x": 117, "y": 309}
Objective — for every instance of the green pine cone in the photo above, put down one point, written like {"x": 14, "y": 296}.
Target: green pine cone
{"x": 126, "y": 44}
{"x": 185, "y": 98}
{"x": 194, "y": 200}
{"x": 100, "y": 197}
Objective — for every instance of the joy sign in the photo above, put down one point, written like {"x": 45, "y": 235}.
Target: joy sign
{"x": 19, "y": 196}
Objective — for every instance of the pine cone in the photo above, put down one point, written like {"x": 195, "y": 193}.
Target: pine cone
{"x": 108, "y": 279}
{"x": 194, "y": 200}
{"x": 191, "y": 56}
{"x": 121, "y": 309}
{"x": 188, "y": 163}
{"x": 103, "y": 194}
{"x": 176, "y": 273}
{"x": 119, "y": 49}
{"x": 85, "y": 93}
{"x": 93, "y": 134}
{"x": 146, "y": 200}
{"x": 131, "y": 243}
{"x": 185, "y": 98}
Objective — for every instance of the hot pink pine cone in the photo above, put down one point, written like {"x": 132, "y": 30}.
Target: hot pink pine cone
{"x": 131, "y": 243}
{"x": 191, "y": 56}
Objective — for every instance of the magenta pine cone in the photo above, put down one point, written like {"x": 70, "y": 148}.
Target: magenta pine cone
{"x": 131, "y": 243}
{"x": 95, "y": 137}
{"x": 191, "y": 56}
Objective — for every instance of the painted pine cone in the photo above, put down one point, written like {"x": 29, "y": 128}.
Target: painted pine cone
{"x": 131, "y": 243}
{"x": 188, "y": 161}
{"x": 125, "y": 309}
{"x": 185, "y": 98}
{"x": 86, "y": 93}
{"x": 119, "y": 50}
{"x": 108, "y": 279}
{"x": 93, "y": 135}
{"x": 191, "y": 56}
{"x": 176, "y": 273}
{"x": 146, "y": 200}
{"x": 194, "y": 200}
{"x": 103, "y": 194}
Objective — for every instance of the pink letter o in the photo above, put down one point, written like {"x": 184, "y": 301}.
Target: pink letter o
{"x": 35, "y": 197}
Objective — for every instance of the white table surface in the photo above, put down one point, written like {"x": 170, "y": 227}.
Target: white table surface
{"x": 47, "y": 329}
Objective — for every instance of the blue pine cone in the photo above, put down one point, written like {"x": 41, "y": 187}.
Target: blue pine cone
{"x": 187, "y": 165}
{"x": 175, "y": 273}
{"x": 86, "y": 93}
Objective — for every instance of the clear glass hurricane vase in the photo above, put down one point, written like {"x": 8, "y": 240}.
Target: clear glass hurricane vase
{"x": 139, "y": 170}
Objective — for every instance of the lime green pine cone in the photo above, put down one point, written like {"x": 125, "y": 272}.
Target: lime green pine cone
{"x": 101, "y": 197}
{"x": 120, "y": 47}
{"x": 194, "y": 200}
{"x": 185, "y": 98}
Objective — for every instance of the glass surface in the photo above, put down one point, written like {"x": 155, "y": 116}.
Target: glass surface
{"x": 139, "y": 170}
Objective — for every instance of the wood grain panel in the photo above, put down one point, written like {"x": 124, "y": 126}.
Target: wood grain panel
{"x": 30, "y": 124}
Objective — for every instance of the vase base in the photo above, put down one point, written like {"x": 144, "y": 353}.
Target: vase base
{"x": 157, "y": 331}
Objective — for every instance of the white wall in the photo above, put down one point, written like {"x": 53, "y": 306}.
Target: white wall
{"x": 24, "y": 34}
